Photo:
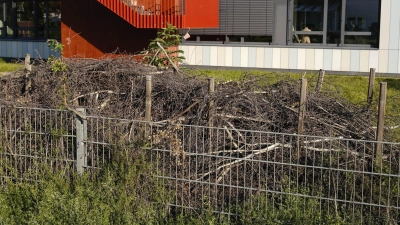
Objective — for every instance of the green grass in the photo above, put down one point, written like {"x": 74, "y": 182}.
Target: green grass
{"x": 8, "y": 66}
{"x": 352, "y": 88}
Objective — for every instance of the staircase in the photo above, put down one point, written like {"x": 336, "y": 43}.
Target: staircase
{"x": 157, "y": 13}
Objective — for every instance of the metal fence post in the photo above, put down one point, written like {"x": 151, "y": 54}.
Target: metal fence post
{"x": 81, "y": 138}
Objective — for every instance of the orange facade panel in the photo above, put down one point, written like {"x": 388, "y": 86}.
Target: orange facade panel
{"x": 99, "y": 31}
{"x": 157, "y": 13}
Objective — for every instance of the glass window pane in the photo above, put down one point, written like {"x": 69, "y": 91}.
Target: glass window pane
{"x": 361, "y": 39}
{"x": 41, "y": 14}
{"x": 334, "y": 21}
{"x": 7, "y": 19}
{"x": 2, "y": 16}
{"x": 362, "y": 15}
{"x": 55, "y": 35}
{"x": 308, "y": 14}
{"x": 55, "y": 15}
{"x": 25, "y": 19}
{"x": 307, "y": 39}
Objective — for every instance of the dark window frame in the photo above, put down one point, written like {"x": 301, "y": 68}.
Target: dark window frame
{"x": 35, "y": 29}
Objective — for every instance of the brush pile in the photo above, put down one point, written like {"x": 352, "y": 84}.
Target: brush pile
{"x": 115, "y": 87}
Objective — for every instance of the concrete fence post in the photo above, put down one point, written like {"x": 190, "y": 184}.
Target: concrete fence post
{"x": 81, "y": 138}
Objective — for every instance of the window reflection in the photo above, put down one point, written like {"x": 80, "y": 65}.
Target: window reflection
{"x": 30, "y": 19}
{"x": 6, "y": 21}
{"x": 308, "y": 14}
{"x": 362, "y": 15}
{"x": 25, "y": 19}
{"x": 334, "y": 21}
{"x": 358, "y": 25}
{"x": 54, "y": 20}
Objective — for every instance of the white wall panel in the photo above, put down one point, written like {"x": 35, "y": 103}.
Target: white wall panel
{"x": 301, "y": 59}
{"x": 260, "y": 57}
{"x": 319, "y": 59}
{"x": 336, "y": 59}
{"x": 214, "y": 56}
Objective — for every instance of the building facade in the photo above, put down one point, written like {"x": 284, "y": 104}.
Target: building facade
{"x": 26, "y": 25}
{"x": 348, "y": 36}
{"x": 93, "y": 28}
{"x": 335, "y": 35}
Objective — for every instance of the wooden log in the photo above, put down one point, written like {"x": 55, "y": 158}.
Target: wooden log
{"x": 371, "y": 86}
{"x": 302, "y": 111}
{"x": 320, "y": 80}
{"x": 148, "y": 99}
{"x": 28, "y": 70}
{"x": 302, "y": 105}
{"x": 211, "y": 89}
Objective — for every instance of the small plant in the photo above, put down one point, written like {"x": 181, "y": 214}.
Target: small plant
{"x": 58, "y": 65}
{"x": 162, "y": 50}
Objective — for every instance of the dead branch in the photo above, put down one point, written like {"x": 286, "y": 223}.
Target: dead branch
{"x": 272, "y": 147}
{"x": 91, "y": 94}
{"x": 231, "y": 138}
{"x": 242, "y": 117}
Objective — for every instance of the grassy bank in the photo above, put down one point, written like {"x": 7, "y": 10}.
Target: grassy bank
{"x": 6, "y": 67}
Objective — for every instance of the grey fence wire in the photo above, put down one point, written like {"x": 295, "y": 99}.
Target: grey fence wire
{"x": 30, "y": 137}
{"x": 229, "y": 169}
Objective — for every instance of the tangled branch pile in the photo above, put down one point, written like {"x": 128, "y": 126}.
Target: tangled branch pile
{"x": 115, "y": 87}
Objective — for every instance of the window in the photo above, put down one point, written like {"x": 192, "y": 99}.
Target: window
{"x": 40, "y": 19}
{"x": 334, "y": 22}
{"x": 247, "y": 20}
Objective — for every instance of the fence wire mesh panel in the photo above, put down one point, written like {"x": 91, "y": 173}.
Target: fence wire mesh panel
{"x": 233, "y": 172}
{"x": 34, "y": 140}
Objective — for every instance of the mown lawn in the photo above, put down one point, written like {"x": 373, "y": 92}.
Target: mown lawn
{"x": 6, "y": 67}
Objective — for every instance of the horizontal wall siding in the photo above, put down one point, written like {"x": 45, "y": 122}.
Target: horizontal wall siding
{"x": 343, "y": 60}
{"x": 18, "y": 49}
{"x": 242, "y": 17}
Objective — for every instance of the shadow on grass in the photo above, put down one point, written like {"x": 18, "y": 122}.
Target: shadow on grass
{"x": 392, "y": 83}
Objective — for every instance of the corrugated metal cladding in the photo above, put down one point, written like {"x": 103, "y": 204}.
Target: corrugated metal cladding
{"x": 242, "y": 17}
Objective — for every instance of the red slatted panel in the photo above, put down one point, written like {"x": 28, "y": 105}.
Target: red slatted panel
{"x": 199, "y": 14}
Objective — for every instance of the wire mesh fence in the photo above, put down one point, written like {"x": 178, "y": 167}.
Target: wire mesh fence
{"x": 32, "y": 137}
{"x": 228, "y": 170}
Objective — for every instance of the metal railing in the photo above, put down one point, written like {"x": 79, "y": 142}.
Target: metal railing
{"x": 157, "y": 7}
{"x": 229, "y": 168}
